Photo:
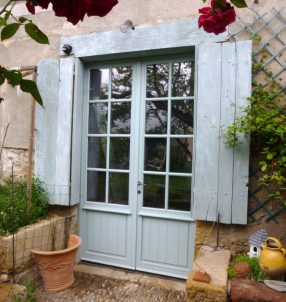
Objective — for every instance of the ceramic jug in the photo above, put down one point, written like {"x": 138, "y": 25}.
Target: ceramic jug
{"x": 272, "y": 256}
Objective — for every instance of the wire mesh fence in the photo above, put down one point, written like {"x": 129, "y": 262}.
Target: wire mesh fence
{"x": 50, "y": 234}
{"x": 25, "y": 224}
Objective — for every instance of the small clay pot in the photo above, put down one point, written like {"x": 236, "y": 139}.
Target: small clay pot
{"x": 57, "y": 267}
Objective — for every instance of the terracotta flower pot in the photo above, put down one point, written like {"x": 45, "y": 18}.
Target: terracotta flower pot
{"x": 57, "y": 267}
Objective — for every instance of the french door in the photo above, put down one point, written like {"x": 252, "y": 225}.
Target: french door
{"x": 137, "y": 165}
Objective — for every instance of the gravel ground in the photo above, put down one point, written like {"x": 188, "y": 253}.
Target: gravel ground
{"x": 90, "y": 288}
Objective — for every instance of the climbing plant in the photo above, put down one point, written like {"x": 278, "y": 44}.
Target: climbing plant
{"x": 264, "y": 122}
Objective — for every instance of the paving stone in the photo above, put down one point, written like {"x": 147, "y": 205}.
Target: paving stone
{"x": 90, "y": 288}
{"x": 214, "y": 263}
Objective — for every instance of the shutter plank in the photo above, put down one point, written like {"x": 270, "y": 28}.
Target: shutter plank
{"x": 77, "y": 134}
{"x": 207, "y": 132}
{"x": 45, "y": 123}
{"x": 241, "y": 153}
{"x": 221, "y": 173}
{"x": 227, "y": 111}
{"x": 64, "y": 132}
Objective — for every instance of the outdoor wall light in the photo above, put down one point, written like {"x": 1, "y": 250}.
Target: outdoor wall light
{"x": 126, "y": 26}
{"x": 67, "y": 49}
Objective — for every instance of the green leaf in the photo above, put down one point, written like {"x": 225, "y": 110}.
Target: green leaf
{"x": 33, "y": 31}
{"x": 9, "y": 31}
{"x": 239, "y": 3}
{"x": 31, "y": 87}
{"x": 23, "y": 19}
{"x": 2, "y": 21}
{"x": 219, "y": 4}
{"x": 7, "y": 16}
{"x": 2, "y": 79}
{"x": 269, "y": 156}
{"x": 14, "y": 77}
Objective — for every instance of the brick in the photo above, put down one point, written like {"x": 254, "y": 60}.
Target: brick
{"x": 201, "y": 277}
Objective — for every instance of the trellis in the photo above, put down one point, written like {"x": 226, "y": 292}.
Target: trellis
{"x": 268, "y": 33}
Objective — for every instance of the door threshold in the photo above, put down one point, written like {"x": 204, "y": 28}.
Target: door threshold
{"x": 130, "y": 275}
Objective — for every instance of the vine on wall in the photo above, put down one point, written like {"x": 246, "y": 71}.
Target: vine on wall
{"x": 264, "y": 122}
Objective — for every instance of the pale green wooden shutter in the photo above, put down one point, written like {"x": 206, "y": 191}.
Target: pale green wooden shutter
{"x": 54, "y": 128}
{"x": 220, "y": 173}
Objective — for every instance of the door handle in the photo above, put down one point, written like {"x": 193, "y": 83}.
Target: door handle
{"x": 139, "y": 183}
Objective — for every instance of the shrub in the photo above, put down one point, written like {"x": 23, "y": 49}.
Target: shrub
{"x": 13, "y": 204}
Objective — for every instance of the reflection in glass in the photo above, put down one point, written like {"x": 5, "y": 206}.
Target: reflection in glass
{"x": 180, "y": 193}
{"x": 118, "y": 188}
{"x": 183, "y": 79}
{"x": 156, "y": 117}
{"x": 96, "y": 152}
{"x": 119, "y": 153}
{"x": 157, "y": 80}
{"x": 154, "y": 191}
{"x": 97, "y": 121}
{"x": 99, "y": 80}
{"x": 121, "y": 82}
{"x": 155, "y": 154}
{"x": 120, "y": 117}
{"x": 181, "y": 155}
{"x": 96, "y": 186}
{"x": 182, "y": 117}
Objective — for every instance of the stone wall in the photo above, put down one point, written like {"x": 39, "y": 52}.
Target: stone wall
{"x": 18, "y": 158}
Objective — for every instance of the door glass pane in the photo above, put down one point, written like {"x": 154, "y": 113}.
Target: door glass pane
{"x": 120, "y": 117}
{"x": 182, "y": 117}
{"x": 99, "y": 83}
{"x": 118, "y": 188}
{"x": 122, "y": 82}
{"x": 183, "y": 79}
{"x": 154, "y": 191}
{"x": 119, "y": 153}
{"x": 96, "y": 186}
{"x": 180, "y": 193}
{"x": 181, "y": 155}
{"x": 97, "y": 122}
{"x": 157, "y": 80}
{"x": 156, "y": 117}
{"x": 96, "y": 152}
{"x": 155, "y": 154}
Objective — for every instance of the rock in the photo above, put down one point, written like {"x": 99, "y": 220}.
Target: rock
{"x": 4, "y": 277}
{"x": 244, "y": 290}
{"x": 201, "y": 277}
{"x": 242, "y": 269}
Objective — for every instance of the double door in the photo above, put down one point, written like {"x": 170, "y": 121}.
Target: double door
{"x": 137, "y": 156}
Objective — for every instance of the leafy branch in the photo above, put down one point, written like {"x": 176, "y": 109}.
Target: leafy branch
{"x": 264, "y": 121}
{"x": 9, "y": 29}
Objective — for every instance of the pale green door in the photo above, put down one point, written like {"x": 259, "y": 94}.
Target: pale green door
{"x": 137, "y": 171}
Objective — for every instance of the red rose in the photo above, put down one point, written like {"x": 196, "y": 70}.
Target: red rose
{"x": 99, "y": 8}
{"x": 74, "y": 10}
{"x": 215, "y": 20}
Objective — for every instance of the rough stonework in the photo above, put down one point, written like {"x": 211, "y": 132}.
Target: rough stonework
{"x": 18, "y": 158}
{"x": 44, "y": 235}
{"x": 214, "y": 263}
